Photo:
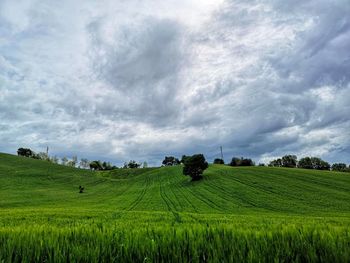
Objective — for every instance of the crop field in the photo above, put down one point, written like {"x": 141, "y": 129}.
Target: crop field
{"x": 243, "y": 214}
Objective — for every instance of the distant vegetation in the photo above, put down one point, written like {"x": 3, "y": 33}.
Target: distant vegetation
{"x": 315, "y": 163}
{"x": 288, "y": 161}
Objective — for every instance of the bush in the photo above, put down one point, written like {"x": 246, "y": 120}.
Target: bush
{"x": 194, "y": 166}
{"x": 219, "y": 161}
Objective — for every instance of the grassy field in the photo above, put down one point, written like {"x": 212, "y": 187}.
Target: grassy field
{"x": 243, "y": 214}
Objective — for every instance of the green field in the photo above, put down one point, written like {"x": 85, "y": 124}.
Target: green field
{"x": 235, "y": 214}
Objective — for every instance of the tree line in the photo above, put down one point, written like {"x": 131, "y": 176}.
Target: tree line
{"x": 316, "y": 163}
{"x": 83, "y": 163}
{"x": 193, "y": 166}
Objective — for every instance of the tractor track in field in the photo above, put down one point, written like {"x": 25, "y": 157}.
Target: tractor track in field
{"x": 141, "y": 195}
{"x": 185, "y": 196}
{"x": 259, "y": 188}
{"x": 229, "y": 193}
{"x": 211, "y": 204}
{"x": 171, "y": 206}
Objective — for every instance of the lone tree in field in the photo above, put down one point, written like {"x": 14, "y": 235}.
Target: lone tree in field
{"x": 194, "y": 166}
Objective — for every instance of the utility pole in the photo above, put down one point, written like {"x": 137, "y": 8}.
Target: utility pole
{"x": 47, "y": 151}
{"x": 222, "y": 155}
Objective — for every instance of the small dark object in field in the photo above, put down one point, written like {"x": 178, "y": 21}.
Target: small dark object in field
{"x": 81, "y": 189}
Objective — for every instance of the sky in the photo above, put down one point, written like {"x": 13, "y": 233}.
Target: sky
{"x": 138, "y": 80}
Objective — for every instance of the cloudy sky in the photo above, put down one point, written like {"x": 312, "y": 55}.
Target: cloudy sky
{"x": 132, "y": 79}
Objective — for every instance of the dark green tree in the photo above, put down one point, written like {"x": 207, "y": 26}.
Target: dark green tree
{"x": 26, "y": 152}
{"x": 313, "y": 163}
{"x": 132, "y": 164}
{"x": 246, "y": 162}
{"x": 194, "y": 166}
{"x": 339, "y": 167}
{"x": 183, "y": 158}
{"x": 276, "y": 163}
{"x": 305, "y": 163}
{"x": 235, "y": 161}
{"x": 170, "y": 161}
{"x": 219, "y": 161}
{"x": 289, "y": 161}
{"x": 96, "y": 165}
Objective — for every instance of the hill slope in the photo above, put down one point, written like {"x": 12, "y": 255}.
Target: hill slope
{"x": 251, "y": 214}
{"x": 33, "y": 184}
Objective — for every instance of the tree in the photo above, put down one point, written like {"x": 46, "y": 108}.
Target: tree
{"x": 289, "y": 161}
{"x": 194, "y": 166}
{"x": 320, "y": 164}
{"x": 26, "y": 152}
{"x": 95, "y": 165}
{"x": 241, "y": 162}
{"x": 219, "y": 161}
{"x": 145, "y": 165}
{"x": 340, "y": 167}
{"x": 108, "y": 166}
{"x": 313, "y": 163}
{"x": 170, "y": 161}
{"x": 276, "y": 163}
{"x": 132, "y": 164}
{"x": 246, "y": 162}
{"x": 305, "y": 163}
{"x": 235, "y": 161}
{"x": 183, "y": 158}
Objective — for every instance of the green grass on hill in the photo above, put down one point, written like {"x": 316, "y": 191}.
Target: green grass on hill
{"x": 242, "y": 214}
